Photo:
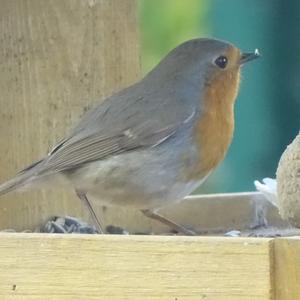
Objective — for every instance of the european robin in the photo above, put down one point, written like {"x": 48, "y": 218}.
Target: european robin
{"x": 153, "y": 143}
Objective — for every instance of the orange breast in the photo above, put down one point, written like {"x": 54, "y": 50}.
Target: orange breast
{"x": 214, "y": 130}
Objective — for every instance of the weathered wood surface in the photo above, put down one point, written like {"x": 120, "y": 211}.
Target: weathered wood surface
{"x": 56, "y": 59}
{"x": 287, "y": 268}
{"x": 37, "y": 266}
{"x": 213, "y": 213}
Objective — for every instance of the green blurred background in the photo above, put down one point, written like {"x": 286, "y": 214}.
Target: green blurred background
{"x": 268, "y": 106}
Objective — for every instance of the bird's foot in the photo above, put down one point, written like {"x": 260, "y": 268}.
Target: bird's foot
{"x": 82, "y": 196}
{"x": 178, "y": 228}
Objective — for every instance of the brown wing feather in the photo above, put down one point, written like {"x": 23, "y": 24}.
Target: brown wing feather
{"x": 75, "y": 152}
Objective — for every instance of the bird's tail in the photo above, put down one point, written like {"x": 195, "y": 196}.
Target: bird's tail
{"x": 21, "y": 179}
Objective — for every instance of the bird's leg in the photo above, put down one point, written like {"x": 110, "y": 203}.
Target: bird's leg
{"x": 155, "y": 216}
{"x": 82, "y": 196}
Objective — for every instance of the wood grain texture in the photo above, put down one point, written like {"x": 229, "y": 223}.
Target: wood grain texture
{"x": 214, "y": 213}
{"x": 287, "y": 268}
{"x": 36, "y": 266}
{"x": 56, "y": 59}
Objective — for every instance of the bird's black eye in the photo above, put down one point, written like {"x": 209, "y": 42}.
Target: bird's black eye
{"x": 221, "y": 62}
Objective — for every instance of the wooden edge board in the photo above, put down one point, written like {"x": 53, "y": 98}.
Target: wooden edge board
{"x": 47, "y": 266}
{"x": 241, "y": 195}
{"x": 287, "y": 268}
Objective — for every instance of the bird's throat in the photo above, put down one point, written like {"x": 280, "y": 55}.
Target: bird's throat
{"x": 214, "y": 130}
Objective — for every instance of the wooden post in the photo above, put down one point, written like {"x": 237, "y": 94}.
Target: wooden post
{"x": 287, "y": 268}
{"x": 56, "y": 59}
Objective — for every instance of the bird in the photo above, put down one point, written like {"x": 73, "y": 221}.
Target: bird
{"x": 154, "y": 142}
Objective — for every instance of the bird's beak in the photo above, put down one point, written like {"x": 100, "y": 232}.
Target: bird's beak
{"x": 248, "y": 56}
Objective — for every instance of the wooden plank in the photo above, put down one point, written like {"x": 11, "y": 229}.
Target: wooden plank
{"x": 57, "y": 58}
{"x": 287, "y": 268}
{"x": 37, "y": 266}
{"x": 214, "y": 213}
